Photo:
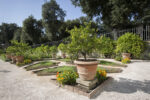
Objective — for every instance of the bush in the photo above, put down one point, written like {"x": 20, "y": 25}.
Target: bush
{"x": 26, "y": 61}
{"x": 126, "y": 61}
{"x": 38, "y": 53}
{"x": 62, "y": 47}
{"x": 118, "y": 58}
{"x": 53, "y": 50}
{"x": 17, "y": 48}
{"x": 130, "y": 43}
{"x": 3, "y": 57}
{"x": 101, "y": 75}
{"x": 106, "y": 46}
{"x": 67, "y": 77}
{"x": 1, "y": 51}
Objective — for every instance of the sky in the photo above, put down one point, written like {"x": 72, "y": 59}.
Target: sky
{"x": 15, "y": 11}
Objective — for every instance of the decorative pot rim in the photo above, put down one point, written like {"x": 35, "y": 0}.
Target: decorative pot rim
{"x": 86, "y": 62}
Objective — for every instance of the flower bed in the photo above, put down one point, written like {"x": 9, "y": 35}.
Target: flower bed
{"x": 67, "y": 79}
{"x": 110, "y": 70}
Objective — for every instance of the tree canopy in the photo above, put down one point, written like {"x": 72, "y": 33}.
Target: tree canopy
{"x": 32, "y": 30}
{"x": 7, "y": 32}
{"x": 116, "y": 13}
{"x": 53, "y": 17}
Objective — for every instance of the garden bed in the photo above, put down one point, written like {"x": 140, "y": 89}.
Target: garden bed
{"x": 68, "y": 61}
{"x": 113, "y": 64}
{"x": 44, "y": 64}
{"x": 110, "y": 70}
{"x": 53, "y": 71}
{"x": 76, "y": 89}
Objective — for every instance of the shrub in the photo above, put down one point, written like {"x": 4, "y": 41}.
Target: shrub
{"x": 17, "y": 48}
{"x": 3, "y": 57}
{"x": 62, "y": 47}
{"x": 1, "y": 51}
{"x": 106, "y": 46}
{"x": 126, "y": 60}
{"x": 118, "y": 58}
{"x": 53, "y": 50}
{"x": 101, "y": 75}
{"x": 67, "y": 77}
{"x": 130, "y": 43}
{"x": 27, "y": 61}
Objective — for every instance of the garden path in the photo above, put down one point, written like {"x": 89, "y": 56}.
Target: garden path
{"x": 19, "y": 84}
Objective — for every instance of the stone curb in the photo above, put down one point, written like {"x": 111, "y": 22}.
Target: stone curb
{"x": 90, "y": 95}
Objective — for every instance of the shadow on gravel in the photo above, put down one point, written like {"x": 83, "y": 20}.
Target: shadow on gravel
{"x": 4, "y": 71}
{"x": 126, "y": 86}
{"x": 134, "y": 61}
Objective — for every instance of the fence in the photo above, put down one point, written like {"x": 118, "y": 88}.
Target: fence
{"x": 143, "y": 31}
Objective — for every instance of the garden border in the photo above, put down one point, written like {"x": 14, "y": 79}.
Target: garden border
{"x": 74, "y": 89}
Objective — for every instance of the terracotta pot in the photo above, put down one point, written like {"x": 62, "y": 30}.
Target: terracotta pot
{"x": 19, "y": 59}
{"x": 126, "y": 55}
{"x": 13, "y": 58}
{"x": 8, "y": 56}
{"x": 64, "y": 55}
{"x": 86, "y": 69}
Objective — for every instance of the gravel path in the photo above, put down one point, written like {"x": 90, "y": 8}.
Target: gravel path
{"x": 17, "y": 84}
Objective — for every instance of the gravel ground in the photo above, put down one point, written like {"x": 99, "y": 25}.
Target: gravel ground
{"x": 17, "y": 84}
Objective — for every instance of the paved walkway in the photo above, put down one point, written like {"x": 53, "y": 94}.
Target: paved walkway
{"x": 17, "y": 84}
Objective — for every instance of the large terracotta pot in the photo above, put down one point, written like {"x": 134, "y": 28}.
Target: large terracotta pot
{"x": 13, "y": 58}
{"x": 8, "y": 56}
{"x": 19, "y": 59}
{"x": 86, "y": 69}
{"x": 126, "y": 55}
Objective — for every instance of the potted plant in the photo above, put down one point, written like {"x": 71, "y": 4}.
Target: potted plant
{"x": 84, "y": 41}
{"x": 128, "y": 44}
{"x": 53, "y": 51}
{"x": 106, "y": 46}
{"x": 10, "y": 53}
{"x": 16, "y": 50}
{"x": 62, "y": 48}
{"x": 19, "y": 57}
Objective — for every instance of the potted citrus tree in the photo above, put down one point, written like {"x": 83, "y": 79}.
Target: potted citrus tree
{"x": 62, "y": 48}
{"x": 21, "y": 49}
{"x": 84, "y": 41}
{"x": 10, "y": 53}
{"x": 53, "y": 50}
{"x": 128, "y": 44}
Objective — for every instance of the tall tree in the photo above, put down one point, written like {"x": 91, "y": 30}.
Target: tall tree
{"x": 17, "y": 34}
{"x": 116, "y": 13}
{"x": 53, "y": 17}
{"x": 7, "y": 32}
{"x": 31, "y": 30}
{"x": 70, "y": 24}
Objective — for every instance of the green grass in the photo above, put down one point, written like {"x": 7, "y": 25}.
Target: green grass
{"x": 110, "y": 70}
{"x": 108, "y": 63}
{"x": 41, "y": 65}
{"x": 52, "y": 71}
{"x": 65, "y": 60}
{"x": 55, "y": 70}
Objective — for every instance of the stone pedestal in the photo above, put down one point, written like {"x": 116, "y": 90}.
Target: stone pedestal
{"x": 87, "y": 84}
